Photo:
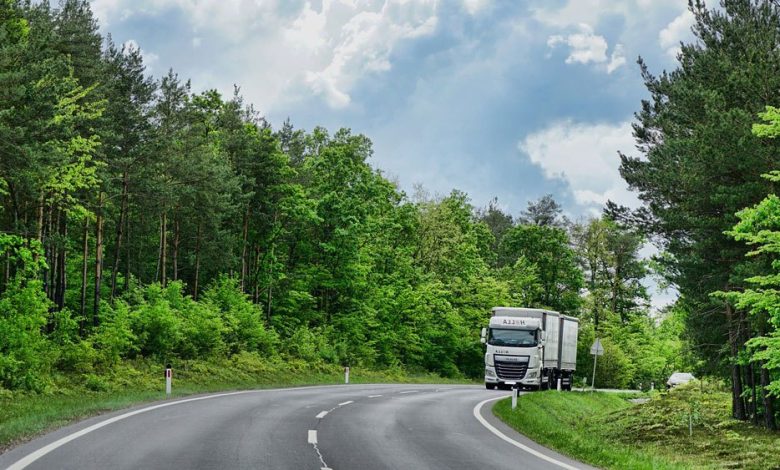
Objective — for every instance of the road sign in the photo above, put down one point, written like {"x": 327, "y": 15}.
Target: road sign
{"x": 597, "y": 349}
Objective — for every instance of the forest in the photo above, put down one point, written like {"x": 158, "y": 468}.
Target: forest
{"x": 143, "y": 220}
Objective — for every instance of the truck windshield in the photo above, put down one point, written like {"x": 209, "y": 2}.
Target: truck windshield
{"x": 507, "y": 337}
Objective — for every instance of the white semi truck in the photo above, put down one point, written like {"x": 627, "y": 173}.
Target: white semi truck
{"x": 530, "y": 348}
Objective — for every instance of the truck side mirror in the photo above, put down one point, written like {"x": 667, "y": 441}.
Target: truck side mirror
{"x": 483, "y": 335}
{"x": 482, "y": 340}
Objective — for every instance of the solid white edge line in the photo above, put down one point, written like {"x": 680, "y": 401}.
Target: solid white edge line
{"x": 321, "y": 414}
{"x": 346, "y": 403}
{"x": 491, "y": 428}
{"x": 312, "y": 436}
{"x": 33, "y": 456}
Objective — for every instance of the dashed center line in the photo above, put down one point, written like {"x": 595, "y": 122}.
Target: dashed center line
{"x": 346, "y": 403}
{"x": 410, "y": 391}
{"x": 374, "y": 396}
{"x": 312, "y": 436}
{"x": 322, "y": 414}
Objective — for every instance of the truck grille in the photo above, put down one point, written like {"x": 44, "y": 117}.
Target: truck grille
{"x": 511, "y": 370}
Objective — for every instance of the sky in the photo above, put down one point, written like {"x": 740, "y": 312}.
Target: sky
{"x": 509, "y": 99}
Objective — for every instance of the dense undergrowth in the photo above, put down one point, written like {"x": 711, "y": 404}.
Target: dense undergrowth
{"x": 688, "y": 427}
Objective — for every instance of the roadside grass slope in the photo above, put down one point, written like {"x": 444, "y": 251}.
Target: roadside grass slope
{"x": 609, "y": 431}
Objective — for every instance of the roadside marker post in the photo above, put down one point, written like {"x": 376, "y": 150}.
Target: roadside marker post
{"x": 596, "y": 350}
{"x": 346, "y": 375}
{"x": 559, "y": 384}
{"x": 168, "y": 377}
{"x": 515, "y": 388}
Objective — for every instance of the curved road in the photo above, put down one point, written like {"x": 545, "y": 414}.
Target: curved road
{"x": 343, "y": 427}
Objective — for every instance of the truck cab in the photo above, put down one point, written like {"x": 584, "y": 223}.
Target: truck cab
{"x": 513, "y": 355}
{"x": 529, "y": 348}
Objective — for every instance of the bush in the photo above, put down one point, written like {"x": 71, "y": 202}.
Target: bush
{"x": 243, "y": 326}
{"x": 25, "y": 355}
{"x": 114, "y": 339}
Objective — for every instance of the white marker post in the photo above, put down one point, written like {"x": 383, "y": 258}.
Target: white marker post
{"x": 596, "y": 350}
{"x": 514, "y": 397}
{"x": 168, "y": 377}
{"x": 559, "y": 384}
{"x": 346, "y": 375}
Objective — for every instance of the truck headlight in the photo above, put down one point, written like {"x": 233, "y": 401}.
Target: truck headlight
{"x": 489, "y": 372}
{"x": 531, "y": 374}
{"x": 488, "y": 359}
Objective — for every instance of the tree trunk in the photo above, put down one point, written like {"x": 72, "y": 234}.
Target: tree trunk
{"x": 769, "y": 406}
{"x": 159, "y": 251}
{"x": 245, "y": 234}
{"x": 119, "y": 229}
{"x": 197, "y": 262}
{"x": 752, "y": 405}
{"x": 163, "y": 248}
{"x": 84, "y": 267}
{"x": 176, "y": 249}
{"x": 270, "y": 285}
{"x": 737, "y": 405}
{"x": 51, "y": 254}
{"x": 127, "y": 252}
{"x": 62, "y": 283}
{"x": 256, "y": 276}
{"x": 40, "y": 218}
{"x": 98, "y": 260}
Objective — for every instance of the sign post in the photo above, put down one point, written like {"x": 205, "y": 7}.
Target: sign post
{"x": 168, "y": 377}
{"x": 596, "y": 350}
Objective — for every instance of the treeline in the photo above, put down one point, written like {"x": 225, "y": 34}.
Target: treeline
{"x": 144, "y": 221}
{"x": 702, "y": 162}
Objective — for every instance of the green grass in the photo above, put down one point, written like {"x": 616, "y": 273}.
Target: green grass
{"x": 71, "y": 398}
{"x": 608, "y": 431}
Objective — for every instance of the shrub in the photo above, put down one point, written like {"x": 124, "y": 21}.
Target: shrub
{"x": 25, "y": 355}
{"x": 243, "y": 325}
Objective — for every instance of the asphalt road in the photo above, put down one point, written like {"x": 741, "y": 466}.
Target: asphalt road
{"x": 350, "y": 427}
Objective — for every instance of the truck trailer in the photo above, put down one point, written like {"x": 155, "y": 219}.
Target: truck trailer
{"x": 530, "y": 348}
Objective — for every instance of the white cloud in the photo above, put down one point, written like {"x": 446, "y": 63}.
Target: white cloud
{"x": 585, "y": 156}
{"x": 584, "y": 46}
{"x": 364, "y": 45}
{"x": 587, "y": 47}
{"x": 475, "y": 6}
{"x": 315, "y": 48}
{"x": 617, "y": 58}
{"x": 675, "y": 32}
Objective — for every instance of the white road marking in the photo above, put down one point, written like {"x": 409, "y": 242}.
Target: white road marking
{"x": 374, "y": 396}
{"x": 33, "y": 456}
{"x": 410, "y": 391}
{"x": 491, "y": 428}
{"x": 312, "y": 436}
{"x": 346, "y": 403}
{"x": 321, "y": 414}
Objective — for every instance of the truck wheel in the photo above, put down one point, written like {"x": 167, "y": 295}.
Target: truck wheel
{"x": 490, "y": 386}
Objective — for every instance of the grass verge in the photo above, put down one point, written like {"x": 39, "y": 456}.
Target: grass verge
{"x": 24, "y": 416}
{"x": 608, "y": 431}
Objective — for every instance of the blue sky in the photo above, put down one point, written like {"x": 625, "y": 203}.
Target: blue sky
{"x": 508, "y": 99}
